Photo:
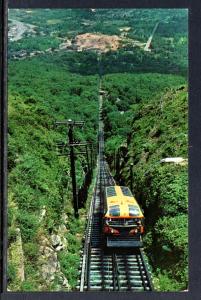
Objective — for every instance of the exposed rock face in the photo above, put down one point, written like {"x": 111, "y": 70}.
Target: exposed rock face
{"x": 49, "y": 268}
{"x": 21, "y": 256}
{"x": 43, "y": 213}
{"x": 56, "y": 240}
{"x": 48, "y": 259}
{"x": 49, "y": 247}
{"x": 58, "y": 243}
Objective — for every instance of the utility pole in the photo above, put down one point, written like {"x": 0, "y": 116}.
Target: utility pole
{"x": 72, "y": 165}
{"x": 71, "y": 143}
{"x": 71, "y": 124}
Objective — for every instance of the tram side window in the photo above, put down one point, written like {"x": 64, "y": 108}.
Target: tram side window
{"x": 126, "y": 191}
{"x": 133, "y": 210}
{"x": 111, "y": 191}
{"x": 114, "y": 211}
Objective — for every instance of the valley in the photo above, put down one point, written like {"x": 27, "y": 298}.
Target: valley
{"x": 55, "y": 61}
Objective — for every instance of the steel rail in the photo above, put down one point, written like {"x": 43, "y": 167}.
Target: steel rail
{"x": 85, "y": 262}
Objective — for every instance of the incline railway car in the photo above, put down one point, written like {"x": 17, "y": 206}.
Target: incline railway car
{"x": 123, "y": 221}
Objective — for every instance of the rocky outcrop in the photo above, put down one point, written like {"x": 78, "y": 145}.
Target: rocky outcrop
{"x": 43, "y": 213}
{"x": 48, "y": 256}
{"x": 16, "y": 255}
{"x": 59, "y": 242}
{"x": 48, "y": 260}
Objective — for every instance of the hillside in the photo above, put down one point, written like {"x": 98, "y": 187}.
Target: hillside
{"x": 162, "y": 188}
{"x": 40, "y": 197}
{"x": 158, "y": 131}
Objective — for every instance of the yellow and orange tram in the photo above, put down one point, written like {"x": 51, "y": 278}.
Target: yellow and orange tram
{"x": 123, "y": 220}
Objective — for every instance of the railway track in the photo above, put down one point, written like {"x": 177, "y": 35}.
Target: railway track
{"x": 101, "y": 268}
{"x": 112, "y": 270}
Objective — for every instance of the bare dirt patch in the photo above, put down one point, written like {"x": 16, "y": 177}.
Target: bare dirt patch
{"x": 94, "y": 41}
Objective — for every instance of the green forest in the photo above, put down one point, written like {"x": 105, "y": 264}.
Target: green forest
{"x": 145, "y": 113}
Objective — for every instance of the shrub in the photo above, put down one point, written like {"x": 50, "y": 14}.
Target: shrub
{"x": 31, "y": 251}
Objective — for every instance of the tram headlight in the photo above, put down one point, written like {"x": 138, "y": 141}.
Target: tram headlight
{"x": 133, "y": 231}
